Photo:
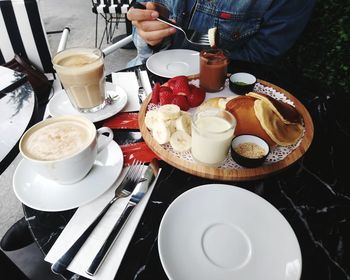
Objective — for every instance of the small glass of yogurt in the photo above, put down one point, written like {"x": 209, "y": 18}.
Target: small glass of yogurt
{"x": 212, "y": 133}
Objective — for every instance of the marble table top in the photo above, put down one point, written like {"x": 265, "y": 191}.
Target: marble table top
{"x": 16, "y": 107}
{"x": 313, "y": 194}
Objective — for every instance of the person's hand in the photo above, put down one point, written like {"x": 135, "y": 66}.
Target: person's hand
{"x": 151, "y": 30}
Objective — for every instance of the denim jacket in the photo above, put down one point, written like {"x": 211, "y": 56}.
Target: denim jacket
{"x": 250, "y": 30}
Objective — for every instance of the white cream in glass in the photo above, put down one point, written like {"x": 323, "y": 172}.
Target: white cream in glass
{"x": 212, "y": 133}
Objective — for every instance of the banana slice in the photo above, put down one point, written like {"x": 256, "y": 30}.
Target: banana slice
{"x": 180, "y": 141}
{"x": 212, "y": 36}
{"x": 183, "y": 123}
{"x": 171, "y": 126}
{"x": 160, "y": 132}
{"x": 151, "y": 118}
{"x": 169, "y": 112}
{"x": 223, "y": 101}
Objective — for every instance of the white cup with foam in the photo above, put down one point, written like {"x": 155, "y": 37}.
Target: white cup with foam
{"x": 63, "y": 149}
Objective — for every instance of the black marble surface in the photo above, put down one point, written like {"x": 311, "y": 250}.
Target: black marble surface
{"x": 313, "y": 194}
{"x": 18, "y": 112}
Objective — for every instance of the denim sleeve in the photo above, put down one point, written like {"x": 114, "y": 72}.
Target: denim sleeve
{"x": 143, "y": 50}
{"x": 282, "y": 23}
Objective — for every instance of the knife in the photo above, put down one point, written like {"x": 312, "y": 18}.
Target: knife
{"x": 63, "y": 262}
{"x": 136, "y": 196}
{"x": 142, "y": 92}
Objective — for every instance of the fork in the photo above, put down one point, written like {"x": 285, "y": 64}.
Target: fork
{"x": 130, "y": 180}
{"x": 192, "y": 36}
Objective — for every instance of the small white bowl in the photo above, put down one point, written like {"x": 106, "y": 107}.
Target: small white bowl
{"x": 248, "y": 161}
{"x": 242, "y": 83}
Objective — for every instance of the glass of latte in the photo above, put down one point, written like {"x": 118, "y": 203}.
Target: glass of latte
{"x": 81, "y": 71}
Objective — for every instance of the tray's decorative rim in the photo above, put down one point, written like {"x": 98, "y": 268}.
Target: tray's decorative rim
{"x": 230, "y": 174}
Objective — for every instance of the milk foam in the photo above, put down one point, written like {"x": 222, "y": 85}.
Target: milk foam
{"x": 75, "y": 60}
{"x": 57, "y": 140}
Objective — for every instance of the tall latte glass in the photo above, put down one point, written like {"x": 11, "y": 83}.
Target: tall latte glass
{"x": 81, "y": 71}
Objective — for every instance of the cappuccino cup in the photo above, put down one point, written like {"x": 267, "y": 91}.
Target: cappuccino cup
{"x": 63, "y": 149}
{"x": 81, "y": 71}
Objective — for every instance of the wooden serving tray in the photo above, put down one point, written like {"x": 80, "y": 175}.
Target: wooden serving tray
{"x": 231, "y": 174}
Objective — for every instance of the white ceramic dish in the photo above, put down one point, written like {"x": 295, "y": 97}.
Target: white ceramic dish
{"x": 42, "y": 194}
{"x": 225, "y": 232}
{"x": 60, "y": 105}
{"x": 171, "y": 63}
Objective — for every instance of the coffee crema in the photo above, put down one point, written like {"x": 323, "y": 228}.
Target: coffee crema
{"x": 57, "y": 140}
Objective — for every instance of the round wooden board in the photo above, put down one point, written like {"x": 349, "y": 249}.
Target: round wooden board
{"x": 230, "y": 174}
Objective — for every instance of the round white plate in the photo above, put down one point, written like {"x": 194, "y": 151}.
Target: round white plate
{"x": 171, "y": 63}
{"x": 224, "y": 232}
{"x": 60, "y": 105}
{"x": 42, "y": 194}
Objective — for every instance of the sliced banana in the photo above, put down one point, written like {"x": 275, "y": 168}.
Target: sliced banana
{"x": 169, "y": 112}
{"x": 161, "y": 132}
{"x": 183, "y": 123}
{"x": 151, "y": 118}
{"x": 180, "y": 141}
{"x": 223, "y": 101}
{"x": 171, "y": 126}
{"x": 212, "y": 36}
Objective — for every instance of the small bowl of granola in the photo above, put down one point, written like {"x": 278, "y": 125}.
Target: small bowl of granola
{"x": 249, "y": 150}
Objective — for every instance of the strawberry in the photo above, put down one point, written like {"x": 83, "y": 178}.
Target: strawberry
{"x": 171, "y": 82}
{"x": 165, "y": 95}
{"x": 196, "y": 97}
{"x": 155, "y": 93}
{"x": 181, "y": 101}
{"x": 166, "y": 89}
{"x": 191, "y": 86}
{"x": 179, "y": 85}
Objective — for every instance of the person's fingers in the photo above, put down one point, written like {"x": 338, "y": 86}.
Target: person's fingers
{"x": 140, "y": 15}
{"x": 151, "y": 30}
{"x": 154, "y": 43}
{"x": 151, "y": 6}
{"x": 150, "y": 25}
{"x": 156, "y": 36}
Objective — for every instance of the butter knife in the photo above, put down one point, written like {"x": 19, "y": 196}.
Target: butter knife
{"x": 141, "y": 92}
{"x": 137, "y": 195}
{"x": 124, "y": 188}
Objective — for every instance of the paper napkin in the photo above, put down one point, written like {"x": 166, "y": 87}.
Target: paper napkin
{"x": 83, "y": 217}
{"x": 128, "y": 82}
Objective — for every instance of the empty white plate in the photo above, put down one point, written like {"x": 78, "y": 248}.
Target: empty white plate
{"x": 171, "y": 63}
{"x": 225, "y": 232}
{"x": 60, "y": 105}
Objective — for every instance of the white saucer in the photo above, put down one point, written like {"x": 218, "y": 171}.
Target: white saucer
{"x": 60, "y": 105}
{"x": 42, "y": 194}
{"x": 171, "y": 63}
{"x": 224, "y": 232}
